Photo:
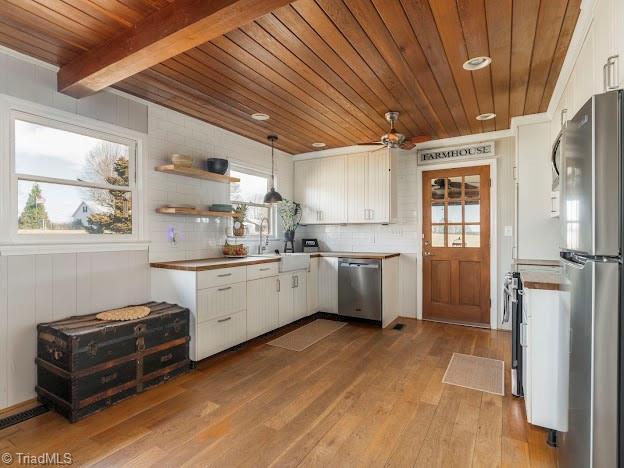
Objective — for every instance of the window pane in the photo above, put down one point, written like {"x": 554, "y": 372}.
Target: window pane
{"x": 472, "y": 186}
{"x": 473, "y": 211}
{"x": 250, "y": 189}
{"x": 454, "y": 187}
{"x": 454, "y": 212}
{"x": 50, "y": 152}
{"x": 437, "y": 189}
{"x": 254, "y": 218}
{"x": 473, "y": 235}
{"x": 455, "y": 236}
{"x": 64, "y": 209}
{"x": 437, "y": 212}
{"x": 437, "y": 236}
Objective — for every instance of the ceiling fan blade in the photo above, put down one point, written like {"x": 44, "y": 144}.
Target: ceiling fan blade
{"x": 413, "y": 141}
{"x": 370, "y": 143}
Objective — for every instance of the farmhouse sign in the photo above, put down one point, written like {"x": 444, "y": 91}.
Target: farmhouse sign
{"x": 454, "y": 153}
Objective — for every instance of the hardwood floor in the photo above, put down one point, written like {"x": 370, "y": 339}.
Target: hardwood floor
{"x": 360, "y": 397}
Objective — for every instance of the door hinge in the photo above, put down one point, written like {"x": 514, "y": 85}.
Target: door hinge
{"x": 490, "y": 302}
{"x": 490, "y": 182}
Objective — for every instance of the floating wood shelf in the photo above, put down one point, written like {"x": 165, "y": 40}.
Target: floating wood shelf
{"x": 193, "y": 212}
{"x": 195, "y": 173}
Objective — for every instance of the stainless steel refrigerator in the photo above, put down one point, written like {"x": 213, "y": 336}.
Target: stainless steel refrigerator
{"x": 591, "y": 258}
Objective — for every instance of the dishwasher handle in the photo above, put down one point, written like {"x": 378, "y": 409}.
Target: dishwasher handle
{"x": 374, "y": 266}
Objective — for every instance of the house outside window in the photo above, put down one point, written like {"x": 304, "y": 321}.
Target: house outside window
{"x": 251, "y": 189}
{"x": 71, "y": 182}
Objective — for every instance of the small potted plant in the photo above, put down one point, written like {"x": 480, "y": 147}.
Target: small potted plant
{"x": 290, "y": 213}
{"x": 240, "y": 214}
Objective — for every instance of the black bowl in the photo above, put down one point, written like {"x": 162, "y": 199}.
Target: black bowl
{"x": 217, "y": 165}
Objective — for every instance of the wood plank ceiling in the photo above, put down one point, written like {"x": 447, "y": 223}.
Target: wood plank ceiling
{"x": 328, "y": 70}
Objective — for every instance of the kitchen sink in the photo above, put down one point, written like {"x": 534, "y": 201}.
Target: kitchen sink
{"x": 294, "y": 261}
{"x": 289, "y": 261}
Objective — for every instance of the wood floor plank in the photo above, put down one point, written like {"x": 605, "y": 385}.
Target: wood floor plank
{"x": 362, "y": 397}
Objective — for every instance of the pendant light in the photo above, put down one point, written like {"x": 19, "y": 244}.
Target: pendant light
{"x": 272, "y": 196}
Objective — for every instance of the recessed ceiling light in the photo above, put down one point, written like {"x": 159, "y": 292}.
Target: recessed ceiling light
{"x": 486, "y": 116}
{"x": 260, "y": 116}
{"x": 477, "y": 63}
{"x": 319, "y": 145}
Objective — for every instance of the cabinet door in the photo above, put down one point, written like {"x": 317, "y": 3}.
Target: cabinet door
{"x": 328, "y": 284}
{"x": 286, "y": 305}
{"x": 219, "y": 334}
{"x": 603, "y": 41}
{"x": 262, "y": 306}
{"x": 220, "y": 301}
{"x": 378, "y": 186}
{"x": 332, "y": 190}
{"x": 357, "y": 182}
{"x": 312, "y": 286}
{"x": 300, "y": 295}
{"x": 307, "y": 190}
{"x": 587, "y": 73}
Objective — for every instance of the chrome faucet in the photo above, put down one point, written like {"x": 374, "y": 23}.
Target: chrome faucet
{"x": 262, "y": 246}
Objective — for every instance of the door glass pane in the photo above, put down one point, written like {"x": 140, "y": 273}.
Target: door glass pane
{"x": 437, "y": 235}
{"x": 473, "y": 235}
{"x": 437, "y": 212}
{"x": 455, "y": 236}
{"x": 454, "y": 212}
{"x": 454, "y": 187}
{"x": 472, "y": 185}
{"x": 437, "y": 189}
{"x": 472, "y": 211}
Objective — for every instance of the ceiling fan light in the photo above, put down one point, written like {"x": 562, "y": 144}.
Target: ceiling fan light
{"x": 476, "y": 63}
{"x": 319, "y": 144}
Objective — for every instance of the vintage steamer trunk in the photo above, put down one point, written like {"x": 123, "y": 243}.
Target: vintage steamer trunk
{"x": 85, "y": 365}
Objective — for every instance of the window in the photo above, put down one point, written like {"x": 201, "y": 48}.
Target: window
{"x": 71, "y": 181}
{"x": 251, "y": 190}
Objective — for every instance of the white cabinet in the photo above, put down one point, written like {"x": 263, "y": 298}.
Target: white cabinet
{"x": 262, "y": 306}
{"x": 312, "y": 286}
{"x": 537, "y": 234}
{"x": 220, "y": 301}
{"x": 293, "y": 296}
{"x": 320, "y": 188}
{"x": 368, "y": 187}
{"x": 328, "y": 285}
{"x": 355, "y": 188}
{"x": 544, "y": 339}
{"x": 619, "y": 40}
{"x": 220, "y": 334}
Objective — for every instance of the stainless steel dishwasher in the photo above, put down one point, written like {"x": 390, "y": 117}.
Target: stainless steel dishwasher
{"x": 359, "y": 288}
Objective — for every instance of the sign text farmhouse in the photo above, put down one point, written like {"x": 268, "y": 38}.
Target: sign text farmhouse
{"x": 479, "y": 150}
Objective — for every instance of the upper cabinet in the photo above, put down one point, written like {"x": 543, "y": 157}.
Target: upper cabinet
{"x": 320, "y": 188}
{"x": 354, "y": 188}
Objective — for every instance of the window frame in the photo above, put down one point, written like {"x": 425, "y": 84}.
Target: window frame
{"x": 238, "y": 167}
{"x": 81, "y": 126}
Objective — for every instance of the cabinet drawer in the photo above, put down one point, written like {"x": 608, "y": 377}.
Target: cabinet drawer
{"x": 222, "y": 333}
{"x": 220, "y": 301}
{"x": 220, "y": 277}
{"x": 262, "y": 270}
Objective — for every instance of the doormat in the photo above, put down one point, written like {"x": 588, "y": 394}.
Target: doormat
{"x": 306, "y": 336}
{"x": 478, "y": 373}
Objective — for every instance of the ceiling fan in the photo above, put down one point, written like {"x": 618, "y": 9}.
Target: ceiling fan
{"x": 394, "y": 139}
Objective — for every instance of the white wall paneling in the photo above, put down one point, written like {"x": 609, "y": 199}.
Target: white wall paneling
{"x": 42, "y": 288}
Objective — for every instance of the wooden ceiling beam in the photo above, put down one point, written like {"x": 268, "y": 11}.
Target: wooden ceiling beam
{"x": 170, "y": 31}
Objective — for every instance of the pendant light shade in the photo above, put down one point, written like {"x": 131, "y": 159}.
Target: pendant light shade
{"x": 272, "y": 196}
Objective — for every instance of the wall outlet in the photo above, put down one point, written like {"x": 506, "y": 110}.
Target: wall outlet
{"x": 508, "y": 231}
{"x": 172, "y": 236}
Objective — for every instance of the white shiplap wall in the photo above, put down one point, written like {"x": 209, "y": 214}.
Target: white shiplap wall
{"x": 404, "y": 236}
{"x": 37, "y": 288}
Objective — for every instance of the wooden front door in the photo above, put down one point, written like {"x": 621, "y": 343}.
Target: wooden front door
{"x": 456, "y": 245}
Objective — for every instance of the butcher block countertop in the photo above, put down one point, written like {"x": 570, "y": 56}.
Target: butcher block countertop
{"x": 214, "y": 263}
{"x": 542, "y": 280}
{"x": 368, "y": 255}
